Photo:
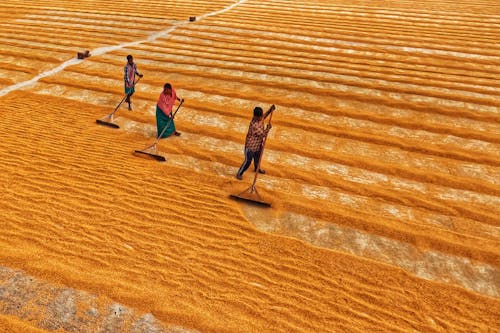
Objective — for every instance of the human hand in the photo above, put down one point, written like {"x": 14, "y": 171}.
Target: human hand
{"x": 272, "y": 108}
{"x": 141, "y": 75}
{"x": 269, "y": 126}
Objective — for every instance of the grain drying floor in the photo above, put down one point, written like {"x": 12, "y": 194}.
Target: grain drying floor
{"x": 383, "y": 167}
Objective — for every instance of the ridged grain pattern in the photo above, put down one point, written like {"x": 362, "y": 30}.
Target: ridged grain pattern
{"x": 383, "y": 165}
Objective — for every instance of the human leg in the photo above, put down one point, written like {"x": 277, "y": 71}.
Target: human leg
{"x": 129, "y": 101}
{"x": 164, "y": 124}
{"x": 246, "y": 163}
{"x": 129, "y": 91}
{"x": 256, "y": 161}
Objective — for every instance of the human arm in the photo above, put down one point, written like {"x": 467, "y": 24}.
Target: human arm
{"x": 125, "y": 76}
{"x": 271, "y": 109}
{"x": 174, "y": 94}
{"x": 136, "y": 72}
{"x": 258, "y": 131}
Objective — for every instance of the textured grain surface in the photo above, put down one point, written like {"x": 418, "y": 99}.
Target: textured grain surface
{"x": 383, "y": 167}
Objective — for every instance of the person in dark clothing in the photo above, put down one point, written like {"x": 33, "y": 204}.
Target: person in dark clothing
{"x": 253, "y": 143}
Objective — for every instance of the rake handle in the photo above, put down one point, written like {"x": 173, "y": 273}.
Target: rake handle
{"x": 123, "y": 99}
{"x": 168, "y": 122}
{"x": 261, "y": 153}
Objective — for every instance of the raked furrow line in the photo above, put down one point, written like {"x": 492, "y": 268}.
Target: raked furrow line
{"x": 383, "y": 167}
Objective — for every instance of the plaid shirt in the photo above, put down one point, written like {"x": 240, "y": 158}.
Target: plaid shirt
{"x": 256, "y": 134}
{"x": 130, "y": 71}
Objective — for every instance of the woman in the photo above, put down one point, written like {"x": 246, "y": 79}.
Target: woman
{"x": 164, "y": 117}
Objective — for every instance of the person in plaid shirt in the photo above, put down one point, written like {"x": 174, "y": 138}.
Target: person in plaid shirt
{"x": 255, "y": 137}
{"x": 130, "y": 71}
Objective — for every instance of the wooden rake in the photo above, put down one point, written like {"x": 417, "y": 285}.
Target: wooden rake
{"x": 108, "y": 119}
{"x": 152, "y": 150}
{"x": 251, "y": 194}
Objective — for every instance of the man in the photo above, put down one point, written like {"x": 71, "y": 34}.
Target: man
{"x": 129, "y": 78}
{"x": 164, "y": 116}
{"x": 253, "y": 142}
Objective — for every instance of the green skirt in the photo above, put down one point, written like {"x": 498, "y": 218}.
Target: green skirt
{"x": 129, "y": 91}
{"x": 163, "y": 121}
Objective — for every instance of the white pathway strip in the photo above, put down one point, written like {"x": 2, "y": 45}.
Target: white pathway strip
{"x": 106, "y": 49}
{"x": 223, "y": 10}
{"x": 20, "y": 85}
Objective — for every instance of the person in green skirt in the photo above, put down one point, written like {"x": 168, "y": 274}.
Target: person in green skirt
{"x": 164, "y": 117}
{"x": 130, "y": 70}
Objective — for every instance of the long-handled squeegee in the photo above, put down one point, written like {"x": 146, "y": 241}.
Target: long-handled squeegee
{"x": 251, "y": 194}
{"x": 108, "y": 119}
{"x": 152, "y": 150}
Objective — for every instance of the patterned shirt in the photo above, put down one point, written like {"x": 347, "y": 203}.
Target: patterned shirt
{"x": 256, "y": 134}
{"x": 130, "y": 72}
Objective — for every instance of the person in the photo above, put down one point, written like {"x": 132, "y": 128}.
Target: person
{"x": 129, "y": 79}
{"x": 164, "y": 116}
{"x": 253, "y": 142}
